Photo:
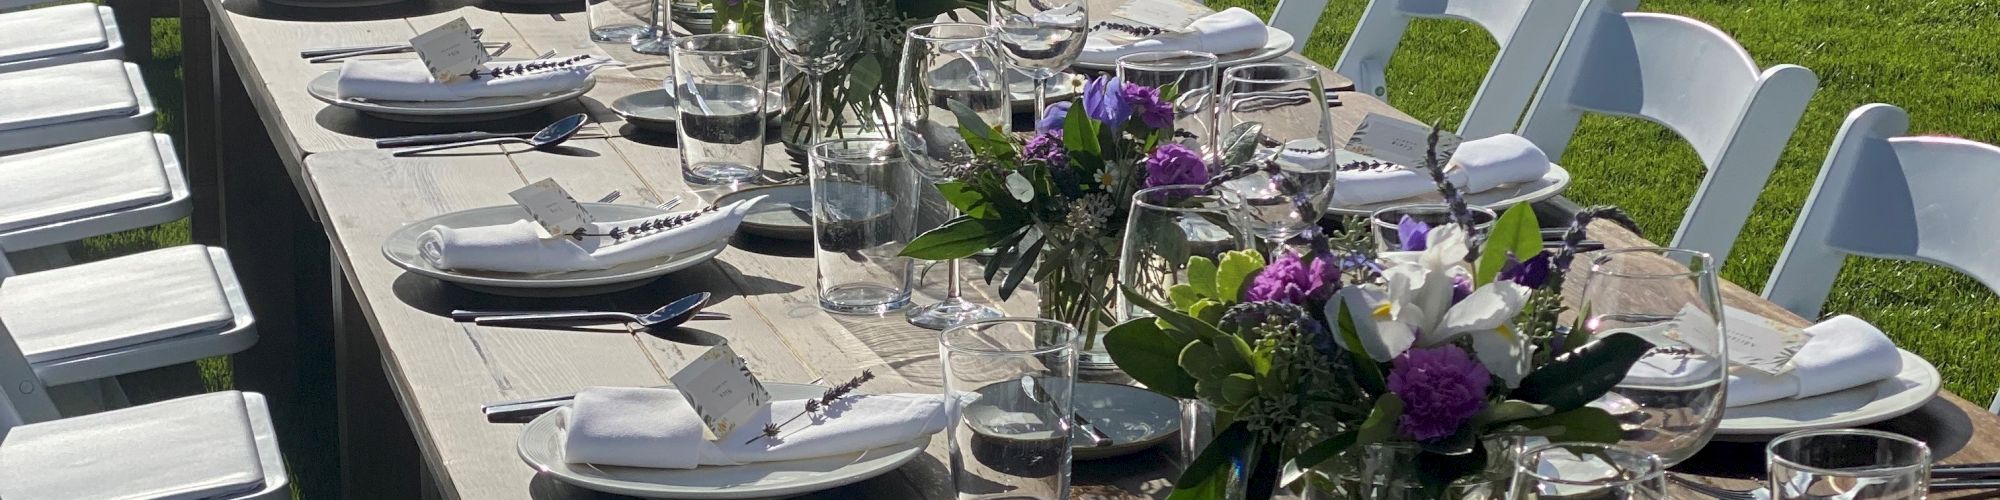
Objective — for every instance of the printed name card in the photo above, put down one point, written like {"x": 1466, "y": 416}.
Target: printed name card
{"x": 1759, "y": 343}
{"x": 1399, "y": 142}
{"x": 722, "y": 390}
{"x": 553, "y": 208}
{"x": 1172, "y": 17}
{"x": 450, "y": 51}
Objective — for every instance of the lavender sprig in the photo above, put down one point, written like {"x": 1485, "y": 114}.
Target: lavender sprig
{"x": 1133, "y": 30}
{"x": 815, "y": 406}
{"x": 1454, "y": 200}
{"x": 527, "y": 67}
{"x": 646, "y": 227}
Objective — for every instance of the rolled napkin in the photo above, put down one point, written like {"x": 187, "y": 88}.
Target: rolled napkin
{"x": 657, "y": 428}
{"x": 1478, "y": 165}
{"x": 519, "y": 248}
{"x": 1844, "y": 352}
{"x": 1232, "y": 30}
{"x": 409, "y": 80}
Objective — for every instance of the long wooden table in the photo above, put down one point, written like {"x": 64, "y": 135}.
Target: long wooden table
{"x": 438, "y": 372}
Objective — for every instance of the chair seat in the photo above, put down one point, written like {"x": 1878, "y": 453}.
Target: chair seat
{"x": 127, "y": 314}
{"x": 216, "y": 445}
{"x": 72, "y": 103}
{"x": 133, "y": 181}
{"x": 63, "y": 34}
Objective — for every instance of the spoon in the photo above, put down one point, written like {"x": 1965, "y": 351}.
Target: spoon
{"x": 464, "y": 315}
{"x": 548, "y": 137}
{"x": 668, "y": 316}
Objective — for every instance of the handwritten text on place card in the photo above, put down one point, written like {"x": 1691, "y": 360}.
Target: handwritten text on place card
{"x": 552, "y": 207}
{"x": 1399, "y": 142}
{"x": 722, "y": 390}
{"x": 1172, "y": 17}
{"x": 450, "y": 51}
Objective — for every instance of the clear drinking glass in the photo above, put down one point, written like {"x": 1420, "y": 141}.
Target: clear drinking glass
{"x": 863, "y": 208}
{"x": 815, "y": 36}
{"x": 1671, "y": 400}
{"x": 1387, "y": 221}
{"x": 719, "y": 83}
{"x": 1851, "y": 464}
{"x": 946, "y": 62}
{"x": 1588, "y": 470}
{"x": 1193, "y": 75}
{"x": 659, "y": 37}
{"x": 1293, "y": 178}
{"x": 619, "y": 21}
{"x": 1169, "y": 224}
{"x": 1007, "y": 384}
{"x": 1040, "y": 38}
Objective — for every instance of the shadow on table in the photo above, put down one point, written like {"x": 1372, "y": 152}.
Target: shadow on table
{"x": 334, "y": 12}
{"x": 355, "y": 123}
{"x": 1942, "y": 425}
{"x": 440, "y": 298}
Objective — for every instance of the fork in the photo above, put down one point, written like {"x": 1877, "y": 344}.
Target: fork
{"x": 610, "y": 197}
{"x": 1718, "y": 492}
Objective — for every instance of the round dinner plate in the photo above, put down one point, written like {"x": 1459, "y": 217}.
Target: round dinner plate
{"x": 401, "y": 248}
{"x": 1135, "y": 419}
{"x": 655, "y": 109}
{"x": 1866, "y": 404}
{"x": 1496, "y": 199}
{"x": 325, "y": 88}
{"x": 541, "y": 446}
{"x": 774, "y": 216}
{"x": 1276, "y": 43}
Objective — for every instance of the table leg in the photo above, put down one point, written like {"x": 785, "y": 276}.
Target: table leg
{"x": 135, "y": 26}
{"x": 198, "y": 138}
{"x": 378, "y": 453}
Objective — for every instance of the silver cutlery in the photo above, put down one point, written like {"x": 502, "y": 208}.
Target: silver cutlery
{"x": 548, "y": 137}
{"x": 669, "y": 204}
{"x": 520, "y": 411}
{"x": 610, "y": 197}
{"x": 311, "y": 53}
{"x": 494, "y": 49}
{"x": 1944, "y": 478}
{"x": 463, "y": 315}
{"x": 1098, "y": 439}
{"x": 668, "y": 316}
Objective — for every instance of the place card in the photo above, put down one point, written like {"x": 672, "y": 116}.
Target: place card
{"x": 450, "y": 51}
{"x": 1172, "y": 17}
{"x": 1397, "y": 141}
{"x": 1761, "y": 343}
{"x": 721, "y": 389}
{"x": 556, "y": 212}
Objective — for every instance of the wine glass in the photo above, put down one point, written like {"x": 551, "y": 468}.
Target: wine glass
{"x": 945, "y": 63}
{"x": 1040, "y": 38}
{"x": 1286, "y": 182}
{"x": 1193, "y": 75}
{"x": 815, "y": 36}
{"x": 1671, "y": 400}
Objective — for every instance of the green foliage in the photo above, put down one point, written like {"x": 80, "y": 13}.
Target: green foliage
{"x": 1150, "y": 356}
{"x": 1232, "y": 279}
{"x": 960, "y": 238}
{"x": 1517, "y": 232}
{"x": 1582, "y": 375}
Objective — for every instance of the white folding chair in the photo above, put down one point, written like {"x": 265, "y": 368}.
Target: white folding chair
{"x": 57, "y": 35}
{"x": 72, "y": 102}
{"x": 216, "y": 445}
{"x": 1690, "y": 77}
{"x": 1527, "y": 31}
{"x": 90, "y": 188}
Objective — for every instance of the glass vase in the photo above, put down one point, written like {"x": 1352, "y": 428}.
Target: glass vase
{"x": 1073, "y": 281}
{"x": 1390, "y": 471}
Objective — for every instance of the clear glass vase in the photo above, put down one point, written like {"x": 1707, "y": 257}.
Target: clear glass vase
{"x": 1389, "y": 471}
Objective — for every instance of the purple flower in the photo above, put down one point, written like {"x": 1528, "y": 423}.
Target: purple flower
{"x": 1461, "y": 287}
{"x": 1291, "y": 281}
{"x": 1173, "y": 163}
{"x": 1104, "y": 101}
{"x": 1047, "y": 147}
{"x": 1531, "y": 273}
{"x": 1441, "y": 388}
{"x": 1052, "y": 118}
{"x": 1152, "y": 110}
{"x": 1413, "y": 233}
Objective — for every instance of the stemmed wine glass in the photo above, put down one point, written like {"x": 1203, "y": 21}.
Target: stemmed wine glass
{"x": 945, "y": 63}
{"x": 1671, "y": 400}
{"x": 815, "y": 36}
{"x": 1040, "y": 38}
{"x": 1283, "y": 187}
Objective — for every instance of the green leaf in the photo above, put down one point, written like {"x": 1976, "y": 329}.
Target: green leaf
{"x": 1200, "y": 361}
{"x": 1233, "y": 445}
{"x": 1237, "y": 388}
{"x": 1080, "y": 134}
{"x": 1239, "y": 355}
{"x": 1005, "y": 249}
{"x": 1367, "y": 373}
{"x": 1239, "y": 144}
{"x": 1208, "y": 311}
{"x": 967, "y": 200}
{"x": 1381, "y": 422}
{"x": 862, "y": 77}
{"x": 1183, "y": 296}
{"x": 1516, "y": 232}
{"x": 959, "y": 238}
{"x": 969, "y": 121}
{"x": 1174, "y": 319}
{"x": 1201, "y": 274}
{"x": 1585, "y": 425}
{"x": 1150, "y": 356}
{"x": 1510, "y": 410}
{"x": 1319, "y": 452}
{"x": 1580, "y": 376}
{"x": 1022, "y": 267}
{"x": 1234, "y": 274}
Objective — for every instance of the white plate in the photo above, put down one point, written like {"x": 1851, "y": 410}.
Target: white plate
{"x": 1496, "y": 199}
{"x": 1134, "y": 418}
{"x": 325, "y": 89}
{"x": 1276, "y": 43}
{"x": 655, "y": 109}
{"x": 541, "y": 447}
{"x": 1867, "y": 404}
{"x": 774, "y": 217}
{"x": 401, "y": 248}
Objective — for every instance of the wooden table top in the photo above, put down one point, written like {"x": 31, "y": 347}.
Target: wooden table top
{"x": 443, "y": 370}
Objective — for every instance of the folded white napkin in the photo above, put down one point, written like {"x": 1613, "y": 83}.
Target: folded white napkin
{"x": 48, "y": 31}
{"x": 1478, "y": 165}
{"x": 656, "y": 428}
{"x": 519, "y": 248}
{"x": 81, "y": 180}
{"x": 409, "y": 80}
{"x": 1229, "y": 31}
{"x": 66, "y": 93}
{"x": 1844, "y": 352}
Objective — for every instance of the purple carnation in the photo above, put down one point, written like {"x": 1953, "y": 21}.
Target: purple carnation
{"x": 1104, "y": 101}
{"x": 1152, "y": 111}
{"x": 1291, "y": 281}
{"x": 1173, "y": 163}
{"x": 1461, "y": 287}
{"x": 1441, "y": 387}
{"x": 1531, "y": 273}
{"x": 1414, "y": 234}
{"x": 1052, "y": 118}
{"x": 1047, "y": 147}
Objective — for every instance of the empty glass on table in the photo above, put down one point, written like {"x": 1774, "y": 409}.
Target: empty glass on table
{"x": 1192, "y": 76}
{"x": 619, "y": 21}
{"x": 946, "y": 63}
{"x": 1008, "y": 388}
{"x": 1588, "y": 471}
{"x": 1282, "y": 187}
{"x": 863, "y": 210}
{"x": 1390, "y": 226}
{"x": 658, "y": 39}
{"x": 1040, "y": 38}
{"x": 1671, "y": 400}
{"x": 719, "y": 83}
{"x": 1853, "y": 464}
{"x": 816, "y": 37}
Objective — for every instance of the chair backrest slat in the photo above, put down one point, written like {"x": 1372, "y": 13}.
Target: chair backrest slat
{"x": 1527, "y": 32}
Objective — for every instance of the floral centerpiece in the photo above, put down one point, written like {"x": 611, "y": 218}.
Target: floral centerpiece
{"x": 1451, "y": 345}
{"x": 1055, "y": 201}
